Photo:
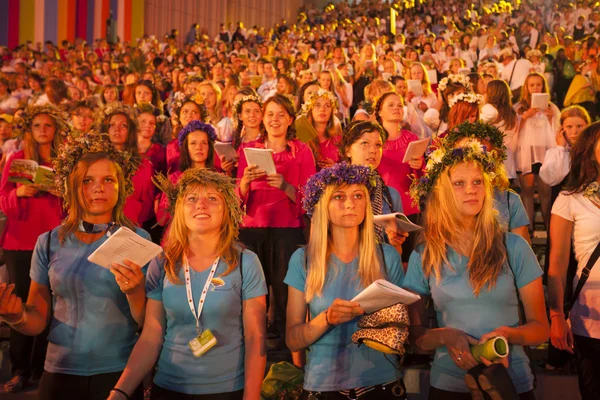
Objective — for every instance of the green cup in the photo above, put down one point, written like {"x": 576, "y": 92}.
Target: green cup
{"x": 491, "y": 350}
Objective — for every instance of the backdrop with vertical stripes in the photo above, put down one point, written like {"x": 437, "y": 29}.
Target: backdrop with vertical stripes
{"x": 56, "y": 20}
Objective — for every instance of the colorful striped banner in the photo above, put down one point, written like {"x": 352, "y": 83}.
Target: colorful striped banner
{"x": 39, "y": 21}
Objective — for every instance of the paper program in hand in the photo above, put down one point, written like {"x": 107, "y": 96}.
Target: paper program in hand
{"x": 125, "y": 244}
{"x": 381, "y": 294}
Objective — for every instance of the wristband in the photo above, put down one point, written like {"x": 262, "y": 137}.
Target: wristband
{"x": 120, "y": 392}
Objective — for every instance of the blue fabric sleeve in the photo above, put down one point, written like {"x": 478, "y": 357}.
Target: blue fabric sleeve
{"x": 40, "y": 262}
{"x": 254, "y": 284}
{"x": 296, "y": 275}
{"x": 393, "y": 262}
{"x": 396, "y": 200}
{"x": 155, "y": 278}
{"x": 523, "y": 261}
{"x": 518, "y": 215}
{"x": 415, "y": 280}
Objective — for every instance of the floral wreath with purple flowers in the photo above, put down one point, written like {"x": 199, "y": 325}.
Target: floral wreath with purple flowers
{"x": 197, "y": 126}
{"x": 338, "y": 174}
{"x": 446, "y": 157}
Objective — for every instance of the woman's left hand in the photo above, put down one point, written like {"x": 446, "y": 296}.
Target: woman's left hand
{"x": 325, "y": 163}
{"x": 276, "y": 181}
{"x": 396, "y": 238}
{"x": 499, "y": 331}
{"x": 416, "y": 162}
{"x": 227, "y": 165}
{"x": 129, "y": 277}
{"x": 503, "y": 361}
{"x": 423, "y": 107}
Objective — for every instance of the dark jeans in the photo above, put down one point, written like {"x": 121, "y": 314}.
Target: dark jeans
{"x": 391, "y": 391}
{"x": 27, "y": 353}
{"x": 274, "y": 247}
{"x": 439, "y": 394}
{"x": 94, "y": 387}
{"x": 587, "y": 354}
{"x": 159, "y": 393}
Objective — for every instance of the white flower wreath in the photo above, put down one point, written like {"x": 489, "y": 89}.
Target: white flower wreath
{"x": 454, "y": 78}
{"x": 468, "y": 97}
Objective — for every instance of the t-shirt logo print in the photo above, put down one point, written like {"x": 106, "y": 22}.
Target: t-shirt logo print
{"x": 217, "y": 282}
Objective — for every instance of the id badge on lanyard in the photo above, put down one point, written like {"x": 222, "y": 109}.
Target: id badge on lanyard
{"x": 205, "y": 339}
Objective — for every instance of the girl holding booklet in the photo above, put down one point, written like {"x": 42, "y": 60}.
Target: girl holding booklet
{"x": 93, "y": 313}
{"x": 30, "y": 211}
{"x": 363, "y": 144}
{"x": 472, "y": 270}
{"x": 273, "y": 224}
{"x": 536, "y": 135}
{"x": 342, "y": 258}
{"x": 205, "y": 318}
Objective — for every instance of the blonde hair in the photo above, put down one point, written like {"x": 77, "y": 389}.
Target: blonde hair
{"x": 319, "y": 247}
{"x": 425, "y": 83}
{"x": 176, "y": 241}
{"x": 444, "y": 224}
{"x": 218, "y": 97}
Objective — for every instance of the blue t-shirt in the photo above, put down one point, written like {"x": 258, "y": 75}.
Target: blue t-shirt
{"x": 221, "y": 369}
{"x": 334, "y": 362}
{"x": 511, "y": 209}
{"x": 396, "y": 202}
{"x": 456, "y": 306}
{"x": 91, "y": 331}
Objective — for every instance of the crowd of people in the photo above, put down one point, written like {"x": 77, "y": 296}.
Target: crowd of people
{"x": 153, "y": 135}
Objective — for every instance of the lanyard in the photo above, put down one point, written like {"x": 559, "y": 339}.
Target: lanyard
{"x": 188, "y": 287}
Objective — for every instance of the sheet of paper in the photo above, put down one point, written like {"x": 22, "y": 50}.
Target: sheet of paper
{"x": 381, "y": 294}
{"x": 540, "y": 101}
{"x": 125, "y": 244}
{"x": 432, "y": 76}
{"x": 415, "y": 86}
{"x": 396, "y": 221}
{"x": 226, "y": 150}
{"x": 263, "y": 158}
{"x": 415, "y": 149}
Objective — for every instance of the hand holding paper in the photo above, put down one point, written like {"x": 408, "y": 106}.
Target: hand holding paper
{"x": 381, "y": 294}
{"x": 415, "y": 149}
{"x": 125, "y": 244}
{"x": 396, "y": 221}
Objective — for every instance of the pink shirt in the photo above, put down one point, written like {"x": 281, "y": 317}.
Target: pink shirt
{"x": 27, "y": 217}
{"x": 139, "y": 207}
{"x": 328, "y": 150}
{"x": 397, "y": 174}
{"x": 158, "y": 156}
{"x": 269, "y": 207}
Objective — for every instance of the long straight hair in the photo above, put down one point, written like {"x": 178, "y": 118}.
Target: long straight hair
{"x": 525, "y": 100}
{"x": 499, "y": 95}
{"x": 76, "y": 198}
{"x": 177, "y": 244}
{"x": 444, "y": 225}
{"x": 320, "y": 247}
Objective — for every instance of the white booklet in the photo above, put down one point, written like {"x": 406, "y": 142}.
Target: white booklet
{"x": 415, "y": 149}
{"x": 263, "y": 158}
{"x": 415, "y": 86}
{"x": 540, "y": 101}
{"x": 125, "y": 244}
{"x": 381, "y": 294}
{"x": 396, "y": 221}
{"x": 226, "y": 150}
{"x": 432, "y": 73}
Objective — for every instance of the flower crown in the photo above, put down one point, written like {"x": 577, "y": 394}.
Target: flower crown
{"x": 310, "y": 103}
{"x": 148, "y": 108}
{"x": 180, "y": 99}
{"x": 116, "y": 107}
{"x": 446, "y": 157}
{"x": 75, "y": 147}
{"x": 478, "y": 131}
{"x": 23, "y": 123}
{"x": 468, "y": 97}
{"x": 456, "y": 79}
{"x": 197, "y": 126}
{"x": 205, "y": 177}
{"x": 237, "y": 107}
{"x": 338, "y": 174}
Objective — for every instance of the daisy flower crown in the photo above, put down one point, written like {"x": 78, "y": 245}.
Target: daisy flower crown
{"x": 478, "y": 131}
{"x": 23, "y": 123}
{"x": 459, "y": 79}
{"x": 204, "y": 177}
{"x": 75, "y": 147}
{"x": 468, "y": 97}
{"x": 312, "y": 100}
{"x": 237, "y": 107}
{"x": 180, "y": 99}
{"x": 197, "y": 126}
{"x": 116, "y": 107}
{"x": 338, "y": 174}
{"x": 446, "y": 157}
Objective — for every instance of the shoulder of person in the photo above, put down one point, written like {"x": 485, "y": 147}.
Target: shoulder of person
{"x": 141, "y": 232}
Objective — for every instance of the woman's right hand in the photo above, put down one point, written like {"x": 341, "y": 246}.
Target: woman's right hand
{"x": 409, "y": 96}
{"x": 560, "y": 333}
{"x": 252, "y": 172}
{"x": 560, "y": 137}
{"x": 11, "y": 305}
{"x": 530, "y": 113}
{"x": 342, "y": 311}
{"x": 459, "y": 345}
{"x": 27, "y": 190}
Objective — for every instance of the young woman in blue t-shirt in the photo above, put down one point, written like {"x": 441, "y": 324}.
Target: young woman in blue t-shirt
{"x": 341, "y": 259}
{"x": 207, "y": 286}
{"x": 472, "y": 271}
